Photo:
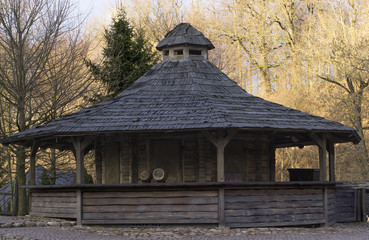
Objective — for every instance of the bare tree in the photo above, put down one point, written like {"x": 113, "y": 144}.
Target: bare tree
{"x": 155, "y": 17}
{"x": 344, "y": 44}
{"x": 36, "y": 72}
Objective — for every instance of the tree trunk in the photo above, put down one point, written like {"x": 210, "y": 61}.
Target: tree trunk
{"x": 266, "y": 87}
{"x": 356, "y": 100}
{"x": 21, "y": 160}
{"x": 21, "y": 180}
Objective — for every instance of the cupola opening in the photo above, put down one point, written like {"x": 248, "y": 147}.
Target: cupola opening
{"x": 178, "y": 52}
{"x": 195, "y": 52}
{"x": 184, "y": 42}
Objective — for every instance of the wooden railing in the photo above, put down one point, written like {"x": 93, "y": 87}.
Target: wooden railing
{"x": 230, "y": 204}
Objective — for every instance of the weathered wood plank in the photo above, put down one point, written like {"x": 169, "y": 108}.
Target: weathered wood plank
{"x": 278, "y": 198}
{"x": 150, "y": 221}
{"x": 273, "y": 211}
{"x": 53, "y": 215}
{"x": 151, "y": 215}
{"x": 148, "y": 201}
{"x": 281, "y": 204}
{"x": 54, "y": 204}
{"x": 274, "y": 218}
{"x": 221, "y": 206}
{"x": 345, "y": 216}
{"x": 345, "y": 206}
{"x": 54, "y": 194}
{"x": 275, "y": 224}
{"x": 55, "y": 210}
{"x": 79, "y": 212}
{"x": 325, "y": 206}
{"x": 253, "y": 192}
{"x": 150, "y": 208}
{"x": 55, "y": 199}
{"x": 150, "y": 194}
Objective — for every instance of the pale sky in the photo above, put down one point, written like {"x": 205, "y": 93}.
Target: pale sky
{"x": 97, "y": 8}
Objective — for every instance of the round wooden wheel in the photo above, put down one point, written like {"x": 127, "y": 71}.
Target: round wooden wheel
{"x": 144, "y": 175}
{"x": 158, "y": 174}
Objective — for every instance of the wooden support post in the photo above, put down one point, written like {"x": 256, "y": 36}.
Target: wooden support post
{"x": 220, "y": 143}
{"x": 322, "y": 145}
{"x": 220, "y": 157}
{"x": 325, "y": 206}
{"x": 80, "y": 145}
{"x": 323, "y": 159}
{"x": 98, "y": 166}
{"x": 363, "y": 206}
{"x": 79, "y": 160}
{"x": 272, "y": 163}
{"x": 34, "y": 149}
{"x": 332, "y": 175}
{"x": 98, "y": 161}
{"x": 221, "y": 205}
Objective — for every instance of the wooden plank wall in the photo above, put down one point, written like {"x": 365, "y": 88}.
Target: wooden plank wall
{"x": 346, "y": 204}
{"x": 58, "y": 204}
{"x": 125, "y": 162}
{"x": 273, "y": 207}
{"x": 207, "y": 160}
{"x": 331, "y": 206}
{"x": 198, "y": 157}
{"x": 150, "y": 207}
{"x": 190, "y": 160}
{"x": 367, "y": 202}
{"x": 201, "y": 164}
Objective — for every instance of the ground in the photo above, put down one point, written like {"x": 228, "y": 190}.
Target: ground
{"x": 29, "y": 228}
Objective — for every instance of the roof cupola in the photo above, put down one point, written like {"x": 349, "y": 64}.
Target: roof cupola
{"x": 184, "y": 41}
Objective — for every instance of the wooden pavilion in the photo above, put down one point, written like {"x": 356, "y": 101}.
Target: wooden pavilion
{"x": 215, "y": 142}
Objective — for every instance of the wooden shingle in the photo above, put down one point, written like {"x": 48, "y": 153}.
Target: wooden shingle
{"x": 181, "y": 95}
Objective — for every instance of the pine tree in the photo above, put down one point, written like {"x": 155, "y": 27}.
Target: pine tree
{"x": 127, "y": 55}
{"x": 45, "y": 180}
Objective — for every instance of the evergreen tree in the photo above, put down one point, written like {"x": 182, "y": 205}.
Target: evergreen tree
{"x": 45, "y": 180}
{"x": 127, "y": 55}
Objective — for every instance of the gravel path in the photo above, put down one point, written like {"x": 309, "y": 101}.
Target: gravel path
{"x": 51, "y": 233}
{"x": 23, "y": 228}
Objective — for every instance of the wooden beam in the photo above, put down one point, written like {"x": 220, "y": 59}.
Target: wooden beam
{"x": 77, "y": 143}
{"x": 331, "y": 159}
{"x": 211, "y": 137}
{"x": 220, "y": 157}
{"x": 363, "y": 204}
{"x": 79, "y": 161}
{"x": 34, "y": 149}
{"x": 220, "y": 142}
{"x": 272, "y": 163}
{"x": 323, "y": 158}
{"x": 229, "y": 136}
{"x": 317, "y": 140}
{"x": 98, "y": 161}
{"x": 80, "y": 145}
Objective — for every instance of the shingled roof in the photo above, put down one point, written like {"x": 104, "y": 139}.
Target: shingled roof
{"x": 181, "y": 95}
{"x": 184, "y": 34}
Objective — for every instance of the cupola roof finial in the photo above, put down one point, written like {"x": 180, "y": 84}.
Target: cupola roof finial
{"x": 184, "y": 34}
